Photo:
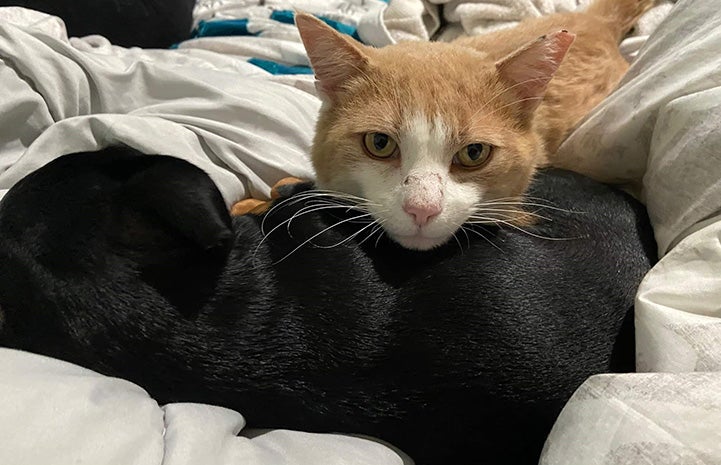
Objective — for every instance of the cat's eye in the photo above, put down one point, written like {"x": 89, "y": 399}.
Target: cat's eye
{"x": 379, "y": 145}
{"x": 473, "y": 155}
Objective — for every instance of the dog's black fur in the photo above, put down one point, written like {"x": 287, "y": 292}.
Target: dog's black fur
{"x": 131, "y": 266}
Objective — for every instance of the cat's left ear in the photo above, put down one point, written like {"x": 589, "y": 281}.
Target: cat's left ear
{"x": 530, "y": 68}
{"x": 334, "y": 57}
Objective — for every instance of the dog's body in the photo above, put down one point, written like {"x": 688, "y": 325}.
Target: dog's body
{"x": 131, "y": 266}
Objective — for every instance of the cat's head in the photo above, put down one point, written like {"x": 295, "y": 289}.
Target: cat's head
{"x": 427, "y": 132}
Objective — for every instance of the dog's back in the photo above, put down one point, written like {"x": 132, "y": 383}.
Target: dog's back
{"x": 131, "y": 266}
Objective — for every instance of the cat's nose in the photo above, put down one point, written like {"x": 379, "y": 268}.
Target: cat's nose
{"x": 422, "y": 214}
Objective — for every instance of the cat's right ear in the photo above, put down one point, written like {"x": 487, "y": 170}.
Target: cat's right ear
{"x": 334, "y": 57}
{"x": 530, "y": 69}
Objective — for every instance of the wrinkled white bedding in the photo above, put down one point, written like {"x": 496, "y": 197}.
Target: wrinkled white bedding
{"x": 56, "y": 413}
{"x": 204, "y": 102}
{"x": 227, "y": 116}
{"x": 661, "y": 131}
{"x": 640, "y": 419}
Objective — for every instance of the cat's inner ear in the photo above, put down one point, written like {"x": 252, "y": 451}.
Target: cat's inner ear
{"x": 334, "y": 57}
{"x": 529, "y": 69}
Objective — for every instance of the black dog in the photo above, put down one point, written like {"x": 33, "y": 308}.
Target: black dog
{"x": 131, "y": 266}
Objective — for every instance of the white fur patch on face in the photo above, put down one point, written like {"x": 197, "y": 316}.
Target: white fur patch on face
{"x": 419, "y": 203}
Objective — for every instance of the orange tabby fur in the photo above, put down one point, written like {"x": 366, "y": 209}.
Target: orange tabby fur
{"x": 466, "y": 92}
{"x": 590, "y": 71}
{"x": 456, "y": 79}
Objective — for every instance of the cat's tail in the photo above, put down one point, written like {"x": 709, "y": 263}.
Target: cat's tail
{"x": 621, "y": 15}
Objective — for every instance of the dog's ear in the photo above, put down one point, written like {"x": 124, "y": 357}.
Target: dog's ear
{"x": 169, "y": 204}
{"x": 170, "y": 218}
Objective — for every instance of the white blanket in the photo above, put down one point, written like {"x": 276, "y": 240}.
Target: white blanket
{"x": 661, "y": 130}
{"x": 244, "y": 127}
{"x": 640, "y": 419}
{"x": 55, "y": 413}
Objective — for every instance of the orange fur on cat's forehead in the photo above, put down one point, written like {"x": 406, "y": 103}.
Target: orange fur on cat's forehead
{"x": 438, "y": 81}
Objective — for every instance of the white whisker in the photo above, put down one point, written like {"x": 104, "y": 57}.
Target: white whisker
{"x": 312, "y": 209}
{"x": 481, "y": 235}
{"x": 318, "y": 234}
{"x": 518, "y": 212}
{"x": 325, "y": 195}
{"x": 468, "y": 239}
{"x": 458, "y": 242}
{"x": 485, "y": 220}
{"x": 347, "y": 239}
{"x": 524, "y": 204}
{"x": 383, "y": 231}
{"x": 378, "y": 228}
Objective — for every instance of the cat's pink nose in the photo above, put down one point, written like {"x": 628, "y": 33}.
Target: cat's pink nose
{"x": 422, "y": 214}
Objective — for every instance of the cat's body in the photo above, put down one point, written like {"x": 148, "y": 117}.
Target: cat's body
{"x": 430, "y": 133}
{"x": 129, "y": 265}
{"x": 590, "y": 70}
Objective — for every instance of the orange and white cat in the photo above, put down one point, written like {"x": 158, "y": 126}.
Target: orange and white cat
{"x": 434, "y": 135}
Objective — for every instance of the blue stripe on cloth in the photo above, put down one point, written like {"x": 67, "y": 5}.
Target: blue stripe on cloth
{"x": 283, "y": 16}
{"x": 288, "y": 17}
{"x": 223, "y": 27}
{"x": 239, "y": 27}
{"x": 278, "y": 68}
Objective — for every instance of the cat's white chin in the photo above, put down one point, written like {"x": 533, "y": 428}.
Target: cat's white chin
{"x": 419, "y": 241}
